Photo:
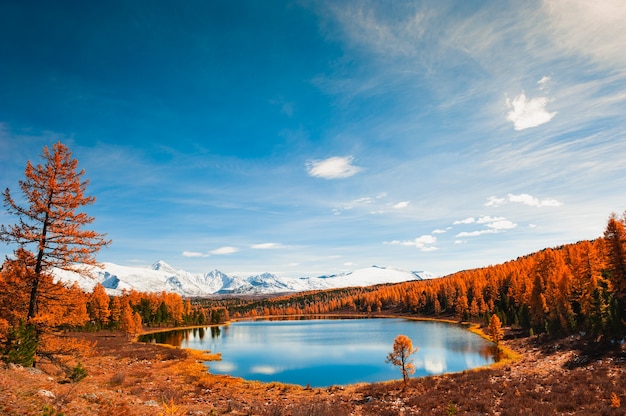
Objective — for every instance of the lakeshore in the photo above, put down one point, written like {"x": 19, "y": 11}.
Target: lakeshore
{"x": 572, "y": 375}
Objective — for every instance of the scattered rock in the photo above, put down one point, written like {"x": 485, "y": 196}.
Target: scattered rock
{"x": 46, "y": 393}
{"x": 92, "y": 397}
{"x": 34, "y": 370}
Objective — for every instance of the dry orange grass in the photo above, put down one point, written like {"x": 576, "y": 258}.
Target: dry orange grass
{"x": 141, "y": 379}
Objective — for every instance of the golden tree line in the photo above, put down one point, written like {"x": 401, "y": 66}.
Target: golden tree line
{"x": 574, "y": 287}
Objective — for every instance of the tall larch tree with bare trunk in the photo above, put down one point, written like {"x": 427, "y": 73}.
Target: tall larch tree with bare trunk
{"x": 50, "y": 221}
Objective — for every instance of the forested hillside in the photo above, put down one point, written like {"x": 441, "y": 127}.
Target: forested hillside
{"x": 575, "y": 287}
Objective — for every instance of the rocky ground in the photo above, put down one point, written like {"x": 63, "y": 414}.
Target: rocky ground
{"x": 571, "y": 376}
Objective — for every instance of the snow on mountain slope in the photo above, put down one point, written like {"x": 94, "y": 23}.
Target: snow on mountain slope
{"x": 163, "y": 277}
{"x": 369, "y": 276}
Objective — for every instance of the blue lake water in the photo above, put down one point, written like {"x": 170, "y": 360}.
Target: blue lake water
{"x": 325, "y": 352}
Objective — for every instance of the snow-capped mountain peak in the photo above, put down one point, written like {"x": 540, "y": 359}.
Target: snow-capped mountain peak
{"x": 163, "y": 266}
{"x": 163, "y": 277}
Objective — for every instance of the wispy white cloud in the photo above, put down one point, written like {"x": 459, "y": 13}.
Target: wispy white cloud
{"x": 594, "y": 29}
{"x": 194, "y": 254}
{"x": 356, "y": 203}
{"x": 533, "y": 201}
{"x": 525, "y": 199}
{"x": 365, "y": 25}
{"x": 494, "y": 225}
{"x": 469, "y": 220}
{"x": 476, "y": 233}
{"x": 526, "y": 113}
{"x": 493, "y": 201}
{"x": 376, "y": 205}
{"x": 333, "y": 168}
{"x": 543, "y": 82}
{"x": 224, "y": 250}
{"x": 424, "y": 242}
{"x": 359, "y": 201}
{"x": 487, "y": 219}
{"x": 267, "y": 246}
{"x": 501, "y": 225}
{"x": 401, "y": 205}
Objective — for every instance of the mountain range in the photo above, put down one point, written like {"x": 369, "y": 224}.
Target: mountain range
{"x": 163, "y": 277}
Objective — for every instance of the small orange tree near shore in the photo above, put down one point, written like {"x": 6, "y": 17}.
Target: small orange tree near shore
{"x": 401, "y": 356}
{"x": 495, "y": 329}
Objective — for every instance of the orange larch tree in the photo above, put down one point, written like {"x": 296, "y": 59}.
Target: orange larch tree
{"x": 615, "y": 249}
{"x": 14, "y": 287}
{"x": 495, "y": 329}
{"x": 127, "y": 320}
{"x": 401, "y": 356}
{"x": 115, "y": 312}
{"x": 49, "y": 224}
{"x": 99, "y": 310}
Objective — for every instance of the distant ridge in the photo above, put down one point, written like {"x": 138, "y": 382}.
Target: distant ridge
{"x": 162, "y": 277}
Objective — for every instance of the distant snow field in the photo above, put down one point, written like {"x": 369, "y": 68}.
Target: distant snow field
{"x": 163, "y": 277}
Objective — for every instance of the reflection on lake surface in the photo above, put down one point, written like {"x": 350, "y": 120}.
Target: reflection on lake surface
{"x": 323, "y": 352}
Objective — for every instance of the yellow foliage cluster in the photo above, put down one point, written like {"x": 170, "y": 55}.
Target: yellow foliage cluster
{"x": 615, "y": 401}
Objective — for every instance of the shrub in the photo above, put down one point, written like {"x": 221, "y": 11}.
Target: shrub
{"x": 117, "y": 379}
{"x": 615, "y": 401}
{"x": 50, "y": 411}
{"x": 172, "y": 409}
{"x": 78, "y": 373}
{"x": 22, "y": 345}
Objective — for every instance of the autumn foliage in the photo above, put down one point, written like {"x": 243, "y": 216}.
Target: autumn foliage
{"x": 48, "y": 234}
{"x": 51, "y": 222}
{"x": 401, "y": 356}
{"x": 495, "y": 329}
{"x": 561, "y": 290}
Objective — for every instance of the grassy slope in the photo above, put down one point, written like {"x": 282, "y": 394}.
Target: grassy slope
{"x": 569, "y": 376}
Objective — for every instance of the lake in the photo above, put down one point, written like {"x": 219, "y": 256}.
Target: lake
{"x": 325, "y": 352}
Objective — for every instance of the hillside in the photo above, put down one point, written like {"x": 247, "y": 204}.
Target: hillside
{"x": 132, "y": 379}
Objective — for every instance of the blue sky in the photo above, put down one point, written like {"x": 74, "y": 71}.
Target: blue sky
{"x": 312, "y": 137}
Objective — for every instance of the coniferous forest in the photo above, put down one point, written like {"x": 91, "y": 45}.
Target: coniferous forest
{"x": 571, "y": 288}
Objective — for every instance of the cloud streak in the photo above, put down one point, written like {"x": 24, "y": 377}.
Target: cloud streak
{"x": 192, "y": 254}
{"x": 267, "y": 246}
{"x": 401, "y": 205}
{"x": 423, "y": 243}
{"x": 494, "y": 226}
{"x": 524, "y": 199}
{"x": 591, "y": 29}
{"x": 224, "y": 250}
